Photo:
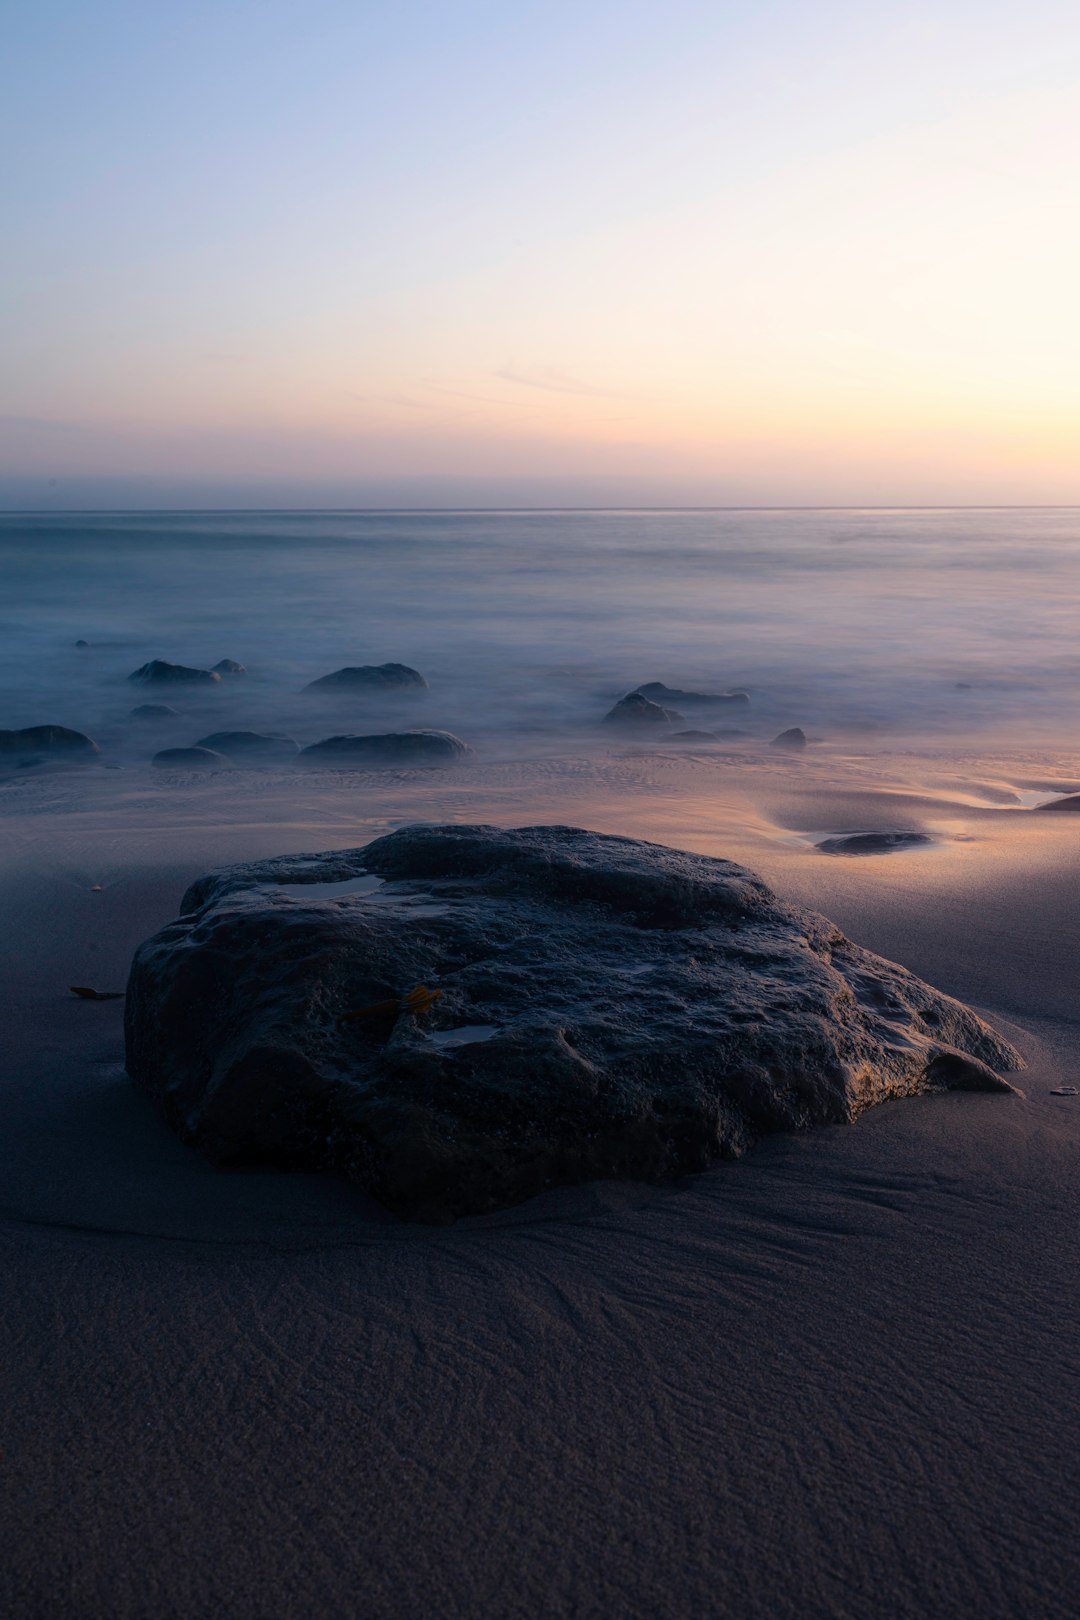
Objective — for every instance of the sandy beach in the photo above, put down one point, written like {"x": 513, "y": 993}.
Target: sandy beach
{"x": 834, "y": 1378}
{"x": 540, "y": 811}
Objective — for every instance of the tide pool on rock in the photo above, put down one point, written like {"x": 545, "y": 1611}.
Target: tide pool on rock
{"x": 652, "y": 1012}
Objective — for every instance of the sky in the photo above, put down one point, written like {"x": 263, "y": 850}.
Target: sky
{"x": 333, "y": 253}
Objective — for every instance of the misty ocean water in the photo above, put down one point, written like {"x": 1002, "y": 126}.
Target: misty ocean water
{"x": 895, "y": 624}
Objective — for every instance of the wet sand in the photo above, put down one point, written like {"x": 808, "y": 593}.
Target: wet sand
{"x": 837, "y": 1378}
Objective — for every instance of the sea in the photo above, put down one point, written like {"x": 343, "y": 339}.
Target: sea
{"x": 861, "y": 626}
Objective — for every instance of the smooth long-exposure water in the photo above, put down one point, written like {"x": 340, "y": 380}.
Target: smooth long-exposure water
{"x": 933, "y": 623}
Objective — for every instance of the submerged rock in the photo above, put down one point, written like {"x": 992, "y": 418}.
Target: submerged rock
{"x": 159, "y": 673}
{"x": 635, "y": 710}
{"x": 794, "y": 738}
{"x": 155, "y": 711}
{"x": 1071, "y": 803}
{"x": 721, "y": 734}
{"x": 659, "y": 693}
{"x": 48, "y": 742}
{"x": 82, "y": 643}
{"x": 389, "y": 748}
{"x": 370, "y": 677}
{"x": 190, "y": 759}
{"x": 251, "y": 745}
{"x": 872, "y": 843}
{"x": 605, "y": 1008}
{"x": 228, "y": 666}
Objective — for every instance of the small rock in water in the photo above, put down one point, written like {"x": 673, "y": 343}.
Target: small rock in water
{"x": 228, "y": 666}
{"x": 1064, "y": 1091}
{"x": 720, "y": 734}
{"x": 873, "y": 843}
{"x": 370, "y": 677}
{"x": 635, "y": 710}
{"x": 155, "y": 711}
{"x": 48, "y": 742}
{"x": 623, "y": 1010}
{"x": 190, "y": 759}
{"x": 251, "y": 745}
{"x": 390, "y": 748}
{"x": 82, "y": 643}
{"x": 1072, "y": 803}
{"x": 659, "y": 693}
{"x": 794, "y": 738}
{"x": 159, "y": 673}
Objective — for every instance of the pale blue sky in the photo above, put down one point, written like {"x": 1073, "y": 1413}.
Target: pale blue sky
{"x": 759, "y": 252}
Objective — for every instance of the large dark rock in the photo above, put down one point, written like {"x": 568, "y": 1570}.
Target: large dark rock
{"x": 53, "y": 742}
{"x": 636, "y": 710}
{"x": 251, "y": 746}
{"x": 159, "y": 673}
{"x": 190, "y": 759}
{"x": 389, "y": 748}
{"x": 608, "y": 1008}
{"x": 794, "y": 739}
{"x": 370, "y": 678}
{"x": 659, "y": 693}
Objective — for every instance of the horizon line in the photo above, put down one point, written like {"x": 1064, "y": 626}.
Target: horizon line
{"x": 382, "y": 511}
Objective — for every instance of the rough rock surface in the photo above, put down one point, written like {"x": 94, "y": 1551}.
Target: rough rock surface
{"x": 608, "y": 1008}
{"x": 636, "y": 710}
{"x": 871, "y": 843}
{"x": 387, "y": 748}
{"x": 371, "y": 677}
{"x": 253, "y": 746}
{"x": 659, "y": 693}
{"x": 155, "y": 711}
{"x": 159, "y": 673}
{"x": 190, "y": 759}
{"x": 228, "y": 666}
{"x": 794, "y": 738}
{"x": 55, "y": 742}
